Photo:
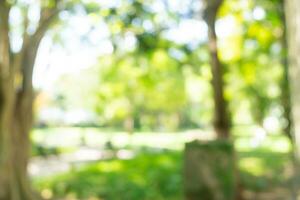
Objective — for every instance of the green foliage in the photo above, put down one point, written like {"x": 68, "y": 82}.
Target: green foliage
{"x": 140, "y": 87}
{"x": 161, "y": 83}
{"x": 253, "y": 55}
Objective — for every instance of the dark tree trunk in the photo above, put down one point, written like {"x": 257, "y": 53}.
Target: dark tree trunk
{"x": 285, "y": 82}
{"x": 209, "y": 169}
{"x": 221, "y": 118}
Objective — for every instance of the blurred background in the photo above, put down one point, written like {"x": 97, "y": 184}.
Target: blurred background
{"x": 122, "y": 85}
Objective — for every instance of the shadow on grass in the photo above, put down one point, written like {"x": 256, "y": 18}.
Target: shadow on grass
{"x": 263, "y": 169}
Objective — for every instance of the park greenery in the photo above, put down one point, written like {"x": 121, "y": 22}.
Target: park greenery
{"x": 137, "y": 82}
{"x": 156, "y": 76}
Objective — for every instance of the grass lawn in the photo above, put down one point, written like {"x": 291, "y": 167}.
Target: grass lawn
{"x": 157, "y": 175}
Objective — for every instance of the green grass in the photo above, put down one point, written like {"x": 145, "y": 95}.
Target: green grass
{"x": 262, "y": 169}
{"x": 148, "y": 176}
{"x": 158, "y": 176}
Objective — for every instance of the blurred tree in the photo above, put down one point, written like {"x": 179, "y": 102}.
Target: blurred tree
{"x": 221, "y": 117}
{"x": 16, "y": 89}
{"x": 253, "y": 52}
{"x": 137, "y": 82}
{"x": 292, "y": 11}
{"x": 285, "y": 82}
{"x": 263, "y": 94}
{"x": 135, "y": 89}
{"x": 17, "y": 97}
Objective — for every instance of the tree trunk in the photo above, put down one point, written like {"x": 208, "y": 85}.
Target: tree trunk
{"x": 16, "y": 98}
{"x": 285, "y": 82}
{"x": 209, "y": 168}
{"x": 292, "y": 11}
{"x": 209, "y": 171}
{"x": 13, "y": 153}
{"x": 292, "y": 14}
{"x": 221, "y": 118}
{"x": 16, "y": 120}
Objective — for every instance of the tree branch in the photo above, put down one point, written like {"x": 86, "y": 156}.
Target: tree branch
{"x": 17, "y": 57}
{"x": 47, "y": 17}
{"x": 211, "y": 8}
{"x": 4, "y": 38}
